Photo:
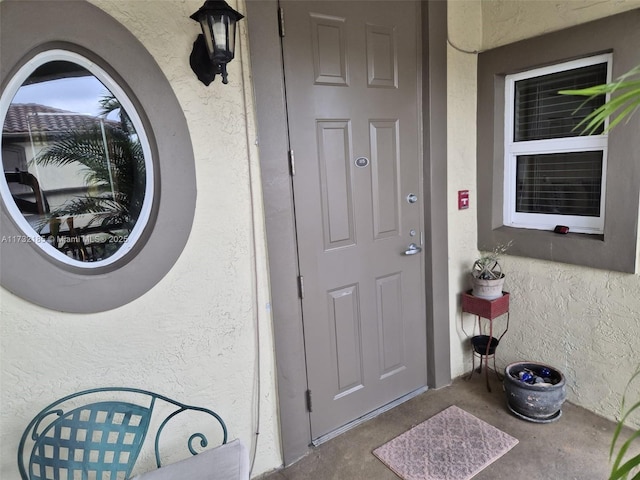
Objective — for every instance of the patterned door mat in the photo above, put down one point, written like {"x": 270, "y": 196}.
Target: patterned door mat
{"x": 452, "y": 445}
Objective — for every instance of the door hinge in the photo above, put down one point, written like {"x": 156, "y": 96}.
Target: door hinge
{"x": 292, "y": 163}
{"x": 309, "y": 405}
{"x": 281, "y": 21}
{"x": 301, "y": 286}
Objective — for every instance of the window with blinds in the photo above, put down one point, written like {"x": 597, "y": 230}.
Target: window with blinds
{"x": 559, "y": 183}
{"x": 553, "y": 174}
{"x": 542, "y": 113}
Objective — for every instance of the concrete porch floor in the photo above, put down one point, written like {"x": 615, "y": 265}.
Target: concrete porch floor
{"x": 575, "y": 447}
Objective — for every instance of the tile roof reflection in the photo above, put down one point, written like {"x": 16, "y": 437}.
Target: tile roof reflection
{"x": 42, "y": 118}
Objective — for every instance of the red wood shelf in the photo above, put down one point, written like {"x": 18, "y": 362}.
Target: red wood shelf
{"x": 485, "y": 308}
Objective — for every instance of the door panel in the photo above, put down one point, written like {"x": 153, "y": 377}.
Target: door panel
{"x": 346, "y": 336}
{"x": 384, "y": 159}
{"x": 391, "y": 327}
{"x": 329, "y": 49}
{"x": 382, "y": 62}
{"x": 334, "y": 157}
{"x": 351, "y": 73}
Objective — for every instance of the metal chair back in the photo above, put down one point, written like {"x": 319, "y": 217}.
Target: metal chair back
{"x": 99, "y": 440}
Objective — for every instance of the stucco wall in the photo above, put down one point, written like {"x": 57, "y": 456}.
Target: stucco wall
{"x": 193, "y": 336}
{"x": 465, "y": 35}
{"x": 583, "y": 321}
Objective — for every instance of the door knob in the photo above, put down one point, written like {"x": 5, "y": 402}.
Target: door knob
{"x": 412, "y": 249}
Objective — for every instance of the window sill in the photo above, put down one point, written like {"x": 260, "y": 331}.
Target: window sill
{"x": 572, "y": 248}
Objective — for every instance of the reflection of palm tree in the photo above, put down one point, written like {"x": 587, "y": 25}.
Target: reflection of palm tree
{"x": 110, "y": 104}
{"x": 118, "y": 204}
{"x": 112, "y": 161}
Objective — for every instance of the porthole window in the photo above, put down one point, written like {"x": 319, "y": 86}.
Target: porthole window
{"x": 78, "y": 174}
{"x": 57, "y": 250}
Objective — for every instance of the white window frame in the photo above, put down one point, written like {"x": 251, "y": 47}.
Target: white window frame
{"x": 5, "y": 101}
{"x": 512, "y": 218}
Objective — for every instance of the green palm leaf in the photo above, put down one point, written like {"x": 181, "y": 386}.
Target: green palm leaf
{"x": 624, "y": 104}
{"x": 620, "y": 470}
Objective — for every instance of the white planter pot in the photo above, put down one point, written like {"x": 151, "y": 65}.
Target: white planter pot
{"x": 487, "y": 289}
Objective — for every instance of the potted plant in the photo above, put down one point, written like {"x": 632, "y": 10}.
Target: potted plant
{"x": 487, "y": 277}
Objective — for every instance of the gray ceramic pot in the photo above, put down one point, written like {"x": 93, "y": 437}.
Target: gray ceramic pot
{"x": 541, "y": 402}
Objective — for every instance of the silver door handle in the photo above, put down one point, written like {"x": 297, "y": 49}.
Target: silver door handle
{"x": 413, "y": 249}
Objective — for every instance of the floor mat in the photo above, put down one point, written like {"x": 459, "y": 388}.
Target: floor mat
{"x": 452, "y": 445}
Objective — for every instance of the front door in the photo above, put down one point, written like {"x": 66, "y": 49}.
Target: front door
{"x": 351, "y": 75}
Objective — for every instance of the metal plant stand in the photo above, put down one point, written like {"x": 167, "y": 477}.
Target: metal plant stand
{"x": 484, "y": 346}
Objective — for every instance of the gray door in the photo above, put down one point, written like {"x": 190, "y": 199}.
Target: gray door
{"x": 351, "y": 73}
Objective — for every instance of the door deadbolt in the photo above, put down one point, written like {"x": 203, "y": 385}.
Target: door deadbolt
{"x": 412, "y": 198}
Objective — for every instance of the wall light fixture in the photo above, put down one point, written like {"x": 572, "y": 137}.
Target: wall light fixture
{"x": 215, "y": 46}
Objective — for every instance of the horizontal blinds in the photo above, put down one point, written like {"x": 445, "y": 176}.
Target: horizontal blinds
{"x": 542, "y": 113}
{"x": 560, "y": 183}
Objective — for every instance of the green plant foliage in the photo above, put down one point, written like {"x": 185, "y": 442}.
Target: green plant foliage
{"x": 623, "y": 104}
{"x": 488, "y": 267}
{"x": 621, "y": 469}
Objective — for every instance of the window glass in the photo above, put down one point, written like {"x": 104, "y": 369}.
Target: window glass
{"x": 541, "y": 112}
{"x": 559, "y": 183}
{"x": 76, "y": 162}
{"x": 553, "y": 174}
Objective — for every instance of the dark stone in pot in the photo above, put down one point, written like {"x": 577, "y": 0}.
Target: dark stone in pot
{"x": 540, "y": 403}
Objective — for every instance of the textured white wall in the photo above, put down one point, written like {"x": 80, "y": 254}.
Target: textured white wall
{"x": 193, "y": 336}
{"x": 465, "y": 35}
{"x": 507, "y": 21}
{"x": 583, "y": 321}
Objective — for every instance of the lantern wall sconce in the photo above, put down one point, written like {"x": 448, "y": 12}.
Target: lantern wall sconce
{"x": 215, "y": 46}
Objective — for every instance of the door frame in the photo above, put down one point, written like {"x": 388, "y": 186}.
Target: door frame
{"x": 268, "y": 83}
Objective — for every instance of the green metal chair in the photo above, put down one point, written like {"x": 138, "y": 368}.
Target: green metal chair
{"x": 90, "y": 436}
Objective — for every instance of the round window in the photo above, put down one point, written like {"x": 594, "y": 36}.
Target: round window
{"x": 78, "y": 176}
